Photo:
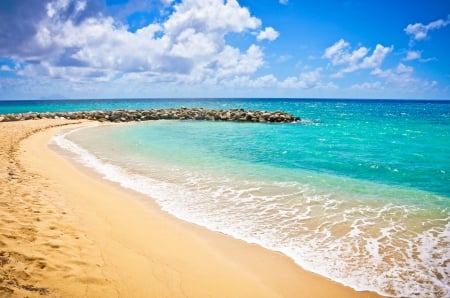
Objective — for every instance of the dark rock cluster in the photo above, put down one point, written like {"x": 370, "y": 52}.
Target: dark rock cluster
{"x": 237, "y": 115}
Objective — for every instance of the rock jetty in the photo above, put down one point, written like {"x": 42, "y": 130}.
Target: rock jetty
{"x": 236, "y": 115}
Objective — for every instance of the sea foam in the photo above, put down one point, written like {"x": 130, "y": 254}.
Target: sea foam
{"x": 394, "y": 249}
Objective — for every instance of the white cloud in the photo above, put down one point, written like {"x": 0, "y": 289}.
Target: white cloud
{"x": 419, "y": 31}
{"x": 368, "y": 86}
{"x": 413, "y": 55}
{"x": 55, "y": 6}
{"x": 305, "y": 80}
{"x": 336, "y": 51}
{"x": 401, "y": 78}
{"x": 377, "y": 57}
{"x": 429, "y": 85}
{"x": 401, "y": 68}
{"x": 266, "y": 81}
{"x": 284, "y": 2}
{"x": 80, "y": 6}
{"x": 340, "y": 55}
{"x": 5, "y": 68}
{"x": 231, "y": 62}
{"x": 269, "y": 33}
{"x": 212, "y": 16}
{"x": 381, "y": 73}
{"x": 284, "y": 58}
{"x": 167, "y": 2}
{"x": 400, "y": 73}
{"x": 188, "y": 46}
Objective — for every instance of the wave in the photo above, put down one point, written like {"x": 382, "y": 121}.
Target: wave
{"x": 365, "y": 243}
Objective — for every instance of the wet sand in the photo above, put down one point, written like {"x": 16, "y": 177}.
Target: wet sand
{"x": 66, "y": 233}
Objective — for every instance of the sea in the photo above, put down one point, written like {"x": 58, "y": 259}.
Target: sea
{"x": 358, "y": 191}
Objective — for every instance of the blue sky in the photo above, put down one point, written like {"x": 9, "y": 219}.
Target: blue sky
{"x": 215, "y": 48}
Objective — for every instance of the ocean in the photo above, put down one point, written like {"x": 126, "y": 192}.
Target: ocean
{"x": 358, "y": 191}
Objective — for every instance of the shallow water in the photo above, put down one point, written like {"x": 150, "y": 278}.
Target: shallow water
{"x": 357, "y": 192}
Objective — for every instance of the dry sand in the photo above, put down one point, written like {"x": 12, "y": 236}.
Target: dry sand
{"x": 64, "y": 233}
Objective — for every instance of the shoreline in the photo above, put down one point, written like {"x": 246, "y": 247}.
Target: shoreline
{"x": 123, "y": 244}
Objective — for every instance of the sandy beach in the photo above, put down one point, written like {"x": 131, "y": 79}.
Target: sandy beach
{"x": 66, "y": 233}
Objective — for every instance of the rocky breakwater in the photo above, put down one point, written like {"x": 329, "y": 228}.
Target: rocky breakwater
{"x": 236, "y": 115}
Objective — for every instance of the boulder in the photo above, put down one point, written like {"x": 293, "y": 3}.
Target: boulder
{"x": 182, "y": 113}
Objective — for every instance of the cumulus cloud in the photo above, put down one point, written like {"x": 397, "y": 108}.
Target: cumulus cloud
{"x": 266, "y": 81}
{"x": 5, "y": 68}
{"x": 73, "y": 40}
{"x": 402, "y": 68}
{"x": 18, "y": 22}
{"x": 232, "y": 62}
{"x": 340, "y": 54}
{"x": 22, "y": 34}
{"x": 269, "y": 33}
{"x": 401, "y": 75}
{"x": 335, "y": 52}
{"x": 368, "y": 86}
{"x": 419, "y": 31}
{"x": 401, "y": 72}
{"x": 413, "y": 55}
{"x": 306, "y": 80}
{"x": 402, "y": 78}
{"x": 377, "y": 57}
{"x": 211, "y": 16}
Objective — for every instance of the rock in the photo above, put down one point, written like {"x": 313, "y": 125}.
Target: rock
{"x": 182, "y": 113}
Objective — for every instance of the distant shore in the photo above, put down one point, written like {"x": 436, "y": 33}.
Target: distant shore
{"x": 65, "y": 232}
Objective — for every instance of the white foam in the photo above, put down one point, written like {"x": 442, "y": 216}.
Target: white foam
{"x": 368, "y": 246}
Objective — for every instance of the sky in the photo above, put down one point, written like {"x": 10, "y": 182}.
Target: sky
{"x": 385, "y": 49}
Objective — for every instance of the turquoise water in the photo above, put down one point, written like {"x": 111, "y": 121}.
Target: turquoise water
{"x": 358, "y": 191}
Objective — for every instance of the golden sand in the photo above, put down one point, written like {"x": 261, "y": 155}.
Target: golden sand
{"x": 66, "y": 233}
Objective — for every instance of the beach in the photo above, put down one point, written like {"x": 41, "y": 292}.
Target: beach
{"x": 65, "y": 232}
